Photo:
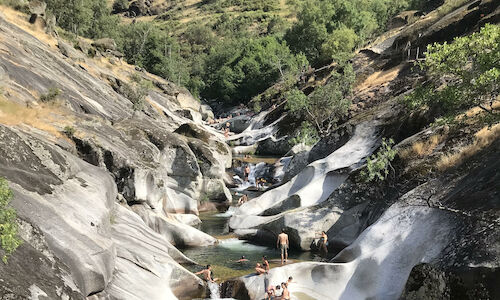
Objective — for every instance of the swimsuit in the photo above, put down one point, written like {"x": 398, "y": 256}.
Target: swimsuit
{"x": 283, "y": 247}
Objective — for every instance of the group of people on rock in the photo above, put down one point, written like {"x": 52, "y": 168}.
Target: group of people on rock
{"x": 272, "y": 290}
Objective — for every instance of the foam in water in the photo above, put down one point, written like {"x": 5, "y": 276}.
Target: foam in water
{"x": 241, "y": 246}
{"x": 229, "y": 212}
{"x": 214, "y": 290}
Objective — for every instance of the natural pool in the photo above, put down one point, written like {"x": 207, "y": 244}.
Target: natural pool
{"x": 223, "y": 256}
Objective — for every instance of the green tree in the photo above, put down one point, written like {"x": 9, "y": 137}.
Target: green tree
{"x": 90, "y": 18}
{"x": 238, "y": 69}
{"x": 340, "y": 44}
{"x": 327, "y": 105}
{"x": 146, "y": 45}
{"x": 462, "y": 74}
{"x": 9, "y": 239}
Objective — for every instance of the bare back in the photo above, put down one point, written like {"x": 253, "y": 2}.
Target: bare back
{"x": 283, "y": 238}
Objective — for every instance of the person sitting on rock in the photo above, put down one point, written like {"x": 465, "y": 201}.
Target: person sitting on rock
{"x": 259, "y": 269}
{"x": 286, "y": 293}
{"x": 290, "y": 279}
{"x": 271, "y": 291}
{"x": 207, "y": 274}
{"x": 322, "y": 243}
{"x": 242, "y": 199}
{"x": 265, "y": 263}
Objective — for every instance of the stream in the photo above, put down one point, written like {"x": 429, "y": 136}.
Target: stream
{"x": 224, "y": 255}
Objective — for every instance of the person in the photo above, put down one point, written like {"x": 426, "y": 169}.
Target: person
{"x": 265, "y": 263}
{"x": 228, "y": 125}
{"x": 260, "y": 183}
{"x": 322, "y": 243}
{"x": 242, "y": 259}
{"x": 286, "y": 294}
{"x": 226, "y": 132}
{"x": 259, "y": 269}
{"x": 283, "y": 245}
{"x": 242, "y": 199}
{"x": 207, "y": 274}
{"x": 246, "y": 172}
{"x": 271, "y": 291}
{"x": 290, "y": 279}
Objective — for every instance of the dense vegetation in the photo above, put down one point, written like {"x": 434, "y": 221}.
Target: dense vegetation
{"x": 9, "y": 240}
{"x": 242, "y": 47}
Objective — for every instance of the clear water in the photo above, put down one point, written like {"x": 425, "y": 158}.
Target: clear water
{"x": 223, "y": 256}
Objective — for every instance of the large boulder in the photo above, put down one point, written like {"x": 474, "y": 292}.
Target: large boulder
{"x": 177, "y": 233}
{"x": 69, "y": 200}
{"x": 68, "y": 51}
{"x": 145, "y": 267}
{"x": 448, "y": 224}
{"x": 312, "y": 185}
{"x": 105, "y": 44}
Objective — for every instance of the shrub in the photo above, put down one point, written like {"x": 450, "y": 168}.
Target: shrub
{"x": 69, "y": 131}
{"x": 51, "y": 95}
{"x": 378, "y": 166}
{"x": 9, "y": 240}
{"x": 137, "y": 91}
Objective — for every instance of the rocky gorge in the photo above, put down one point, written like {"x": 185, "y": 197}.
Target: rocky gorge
{"x": 108, "y": 188}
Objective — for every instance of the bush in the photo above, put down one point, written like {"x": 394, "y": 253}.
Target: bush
{"x": 51, "y": 95}
{"x": 9, "y": 240}
{"x": 69, "y": 131}
{"x": 378, "y": 166}
{"x": 137, "y": 91}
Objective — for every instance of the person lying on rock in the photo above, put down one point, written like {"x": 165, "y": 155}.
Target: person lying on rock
{"x": 207, "y": 274}
{"x": 271, "y": 291}
{"x": 265, "y": 263}
{"x": 259, "y": 269}
{"x": 286, "y": 294}
{"x": 283, "y": 245}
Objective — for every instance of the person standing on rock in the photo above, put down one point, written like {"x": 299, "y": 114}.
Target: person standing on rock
{"x": 246, "y": 172}
{"x": 283, "y": 245}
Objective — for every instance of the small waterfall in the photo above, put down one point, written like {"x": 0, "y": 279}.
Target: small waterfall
{"x": 214, "y": 290}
